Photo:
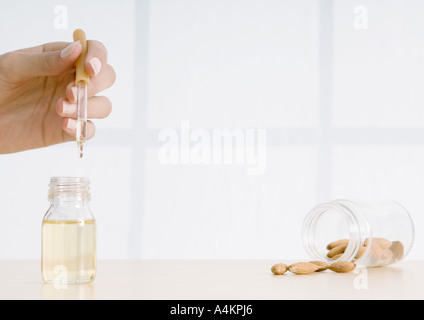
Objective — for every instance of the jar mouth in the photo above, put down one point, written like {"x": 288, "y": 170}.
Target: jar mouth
{"x": 69, "y": 187}
{"x": 349, "y": 223}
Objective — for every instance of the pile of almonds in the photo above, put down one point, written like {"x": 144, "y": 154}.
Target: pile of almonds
{"x": 383, "y": 252}
{"x": 303, "y": 268}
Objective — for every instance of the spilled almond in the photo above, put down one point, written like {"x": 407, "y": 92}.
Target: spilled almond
{"x": 303, "y": 268}
{"x": 342, "y": 267}
{"x": 279, "y": 269}
{"x": 321, "y": 264}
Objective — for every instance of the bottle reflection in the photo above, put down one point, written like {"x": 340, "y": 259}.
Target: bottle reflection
{"x": 64, "y": 291}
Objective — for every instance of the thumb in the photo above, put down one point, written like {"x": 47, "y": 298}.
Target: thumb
{"x": 25, "y": 65}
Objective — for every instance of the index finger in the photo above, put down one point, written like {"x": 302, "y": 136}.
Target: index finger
{"x": 96, "y": 57}
{"x": 47, "y": 47}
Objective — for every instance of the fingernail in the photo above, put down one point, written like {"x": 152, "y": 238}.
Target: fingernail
{"x": 69, "y": 49}
{"x": 72, "y": 124}
{"x": 75, "y": 93}
{"x": 69, "y": 108}
{"x": 96, "y": 64}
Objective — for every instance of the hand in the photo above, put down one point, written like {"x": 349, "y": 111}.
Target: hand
{"x": 38, "y": 94}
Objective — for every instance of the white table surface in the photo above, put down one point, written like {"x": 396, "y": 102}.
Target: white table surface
{"x": 214, "y": 280}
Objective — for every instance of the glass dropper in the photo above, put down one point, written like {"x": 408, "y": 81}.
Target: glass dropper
{"x": 81, "y": 136}
{"x": 82, "y": 81}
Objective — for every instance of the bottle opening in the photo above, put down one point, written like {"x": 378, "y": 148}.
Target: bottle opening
{"x": 68, "y": 187}
{"x": 331, "y": 222}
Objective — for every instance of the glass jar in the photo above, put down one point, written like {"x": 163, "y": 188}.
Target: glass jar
{"x": 369, "y": 234}
{"x": 69, "y": 233}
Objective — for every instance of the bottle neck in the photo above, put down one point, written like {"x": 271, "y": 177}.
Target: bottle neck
{"x": 74, "y": 201}
{"x": 69, "y": 191}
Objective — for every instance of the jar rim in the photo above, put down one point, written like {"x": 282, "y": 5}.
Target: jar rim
{"x": 357, "y": 224}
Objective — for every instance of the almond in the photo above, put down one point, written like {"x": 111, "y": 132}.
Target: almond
{"x": 279, "y": 269}
{"x": 398, "y": 250}
{"x": 386, "y": 257}
{"x": 303, "y": 268}
{"x": 337, "y": 256}
{"x": 383, "y": 243}
{"x": 376, "y": 251}
{"x": 337, "y": 243}
{"x": 387, "y": 254}
{"x": 337, "y": 250}
{"x": 361, "y": 253}
{"x": 342, "y": 267}
{"x": 321, "y": 264}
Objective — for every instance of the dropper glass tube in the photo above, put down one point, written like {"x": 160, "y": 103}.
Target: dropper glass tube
{"x": 82, "y": 81}
{"x": 81, "y": 136}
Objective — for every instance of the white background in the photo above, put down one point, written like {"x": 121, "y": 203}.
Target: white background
{"x": 343, "y": 109}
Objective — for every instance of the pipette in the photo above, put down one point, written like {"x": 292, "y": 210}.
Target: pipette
{"x": 82, "y": 82}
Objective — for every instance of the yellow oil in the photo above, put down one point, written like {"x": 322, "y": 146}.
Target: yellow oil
{"x": 69, "y": 251}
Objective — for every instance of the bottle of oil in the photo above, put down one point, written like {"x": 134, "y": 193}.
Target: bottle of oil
{"x": 69, "y": 233}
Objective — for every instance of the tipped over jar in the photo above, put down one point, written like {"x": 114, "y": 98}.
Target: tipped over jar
{"x": 369, "y": 234}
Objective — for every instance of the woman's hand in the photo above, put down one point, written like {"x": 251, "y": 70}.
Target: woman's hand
{"x": 38, "y": 95}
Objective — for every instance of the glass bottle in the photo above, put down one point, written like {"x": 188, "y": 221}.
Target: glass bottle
{"x": 69, "y": 233}
{"x": 369, "y": 234}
